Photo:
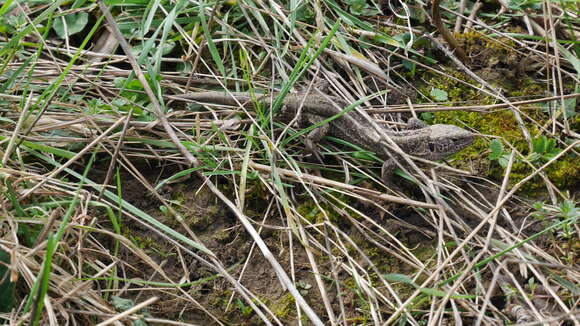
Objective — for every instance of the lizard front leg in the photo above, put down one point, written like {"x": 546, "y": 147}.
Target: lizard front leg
{"x": 306, "y": 120}
{"x": 314, "y": 137}
{"x": 414, "y": 123}
{"x": 387, "y": 170}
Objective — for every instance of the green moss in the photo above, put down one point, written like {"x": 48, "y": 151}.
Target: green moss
{"x": 456, "y": 90}
{"x": 565, "y": 172}
{"x": 501, "y": 123}
{"x": 284, "y": 307}
{"x": 200, "y": 221}
{"x": 219, "y": 299}
{"x": 147, "y": 244}
{"x": 257, "y": 191}
{"x": 223, "y": 235}
{"x": 475, "y": 41}
{"x": 179, "y": 194}
{"x": 313, "y": 214}
{"x": 562, "y": 173}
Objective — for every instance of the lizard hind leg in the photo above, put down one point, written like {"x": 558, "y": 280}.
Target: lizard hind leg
{"x": 387, "y": 172}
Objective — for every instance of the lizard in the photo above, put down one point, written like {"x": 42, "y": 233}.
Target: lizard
{"x": 430, "y": 142}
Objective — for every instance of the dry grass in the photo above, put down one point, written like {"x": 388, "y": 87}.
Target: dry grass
{"x": 122, "y": 204}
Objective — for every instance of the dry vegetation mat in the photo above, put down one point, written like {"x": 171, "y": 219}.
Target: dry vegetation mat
{"x": 223, "y": 162}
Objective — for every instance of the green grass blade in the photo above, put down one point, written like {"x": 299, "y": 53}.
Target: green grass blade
{"x": 210, "y": 43}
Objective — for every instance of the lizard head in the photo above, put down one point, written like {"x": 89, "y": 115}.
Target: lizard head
{"x": 445, "y": 140}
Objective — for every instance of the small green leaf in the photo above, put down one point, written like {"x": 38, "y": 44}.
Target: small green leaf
{"x": 503, "y": 160}
{"x": 361, "y": 8}
{"x": 427, "y": 117}
{"x": 570, "y": 107}
{"x": 551, "y": 146}
{"x": 166, "y": 48}
{"x": 74, "y": 23}
{"x": 122, "y": 304}
{"x": 551, "y": 155}
{"x": 433, "y": 292}
{"x": 399, "y": 278}
{"x": 543, "y": 148}
{"x": 539, "y": 144}
{"x": 568, "y": 209}
{"x": 438, "y": 95}
{"x": 496, "y": 148}
{"x": 245, "y": 310}
{"x": 533, "y": 157}
{"x": 411, "y": 66}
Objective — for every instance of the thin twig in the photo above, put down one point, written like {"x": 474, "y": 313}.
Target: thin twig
{"x": 445, "y": 33}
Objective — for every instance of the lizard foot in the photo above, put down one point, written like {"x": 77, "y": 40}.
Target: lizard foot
{"x": 387, "y": 174}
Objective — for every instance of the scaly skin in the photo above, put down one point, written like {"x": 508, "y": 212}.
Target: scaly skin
{"x": 429, "y": 142}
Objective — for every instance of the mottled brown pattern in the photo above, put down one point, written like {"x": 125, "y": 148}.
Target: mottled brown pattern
{"x": 429, "y": 142}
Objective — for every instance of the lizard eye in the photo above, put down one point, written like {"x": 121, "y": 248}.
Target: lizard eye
{"x": 431, "y": 147}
